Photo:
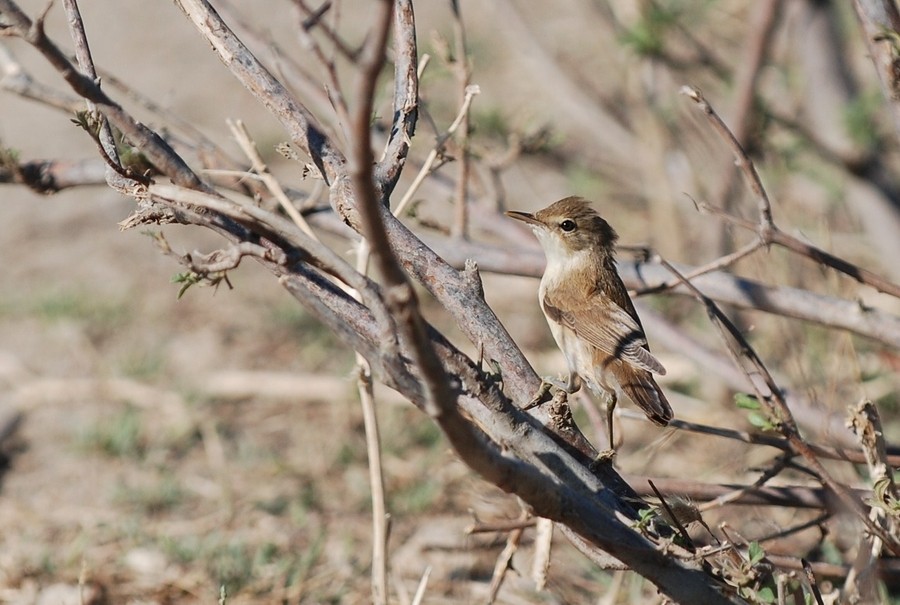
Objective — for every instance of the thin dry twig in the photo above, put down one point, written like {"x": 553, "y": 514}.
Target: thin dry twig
{"x": 540, "y": 562}
{"x": 242, "y": 136}
{"x": 116, "y": 175}
{"x": 376, "y": 482}
{"x": 767, "y": 232}
{"x": 811, "y": 578}
{"x": 314, "y": 19}
{"x": 504, "y": 561}
{"x": 769, "y": 395}
{"x": 333, "y": 89}
{"x": 158, "y": 152}
{"x": 380, "y": 516}
{"x": 419, "y": 597}
{"x": 463, "y": 72}
{"x": 18, "y": 81}
{"x": 437, "y": 150}
{"x": 753, "y": 56}
{"x": 823, "y": 451}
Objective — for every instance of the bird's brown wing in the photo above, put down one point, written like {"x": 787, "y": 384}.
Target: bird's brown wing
{"x": 606, "y": 326}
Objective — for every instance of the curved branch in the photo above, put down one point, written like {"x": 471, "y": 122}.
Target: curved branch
{"x": 300, "y": 124}
{"x": 157, "y": 151}
{"x": 406, "y": 98}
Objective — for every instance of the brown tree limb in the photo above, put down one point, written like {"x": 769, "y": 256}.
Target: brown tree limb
{"x": 471, "y": 445}
{"x": 52, "y": 176}
{"x": 406, "y": 99}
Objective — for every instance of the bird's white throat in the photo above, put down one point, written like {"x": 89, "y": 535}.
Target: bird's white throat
{"x": 561, "y": 260}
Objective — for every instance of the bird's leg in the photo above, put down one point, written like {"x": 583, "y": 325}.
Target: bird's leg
{"x": 609, "y": 454}
{"x": 574, "y": 383}
{"x": 540, "y": 396}
{"x": 548, "y": 382}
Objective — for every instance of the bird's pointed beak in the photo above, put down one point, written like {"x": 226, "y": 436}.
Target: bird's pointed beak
{"x": 525, "y": 217}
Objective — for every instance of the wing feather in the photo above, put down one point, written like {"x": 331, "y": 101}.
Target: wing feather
{"x": 609, "y": 328}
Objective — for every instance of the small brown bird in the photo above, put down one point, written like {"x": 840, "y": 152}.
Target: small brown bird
{"x": 589, "y": 311}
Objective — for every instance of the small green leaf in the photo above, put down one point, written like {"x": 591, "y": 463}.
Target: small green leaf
{"x": 186, "y": 280}
{"x": 746, "y": 401}
{"x": 755, "y": 553}
{"x": 760, "y": 421}
{"x": 765, "y": 595}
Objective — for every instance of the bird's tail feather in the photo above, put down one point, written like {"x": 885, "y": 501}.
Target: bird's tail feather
{"x": 642, "y": 389}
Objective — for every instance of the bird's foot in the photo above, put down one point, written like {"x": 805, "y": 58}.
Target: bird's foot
{"x": 542, "y": 395}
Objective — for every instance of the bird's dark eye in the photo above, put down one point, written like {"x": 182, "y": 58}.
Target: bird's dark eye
{"x": 567, "y": 225}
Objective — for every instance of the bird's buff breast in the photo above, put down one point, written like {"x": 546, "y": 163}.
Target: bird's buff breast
{"x": 579, "y": 354}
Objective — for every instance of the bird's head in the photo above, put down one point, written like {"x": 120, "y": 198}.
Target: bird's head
{"x": 569, "y": 227}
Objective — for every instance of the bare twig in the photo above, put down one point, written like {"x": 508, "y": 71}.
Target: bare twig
{"x": 437, "y": 150}
{"x": 754, "y": 53}
{"x": 769, "y": 395}
{"x": 718, "y": 264}
{"x": 419, "y": 597}
{"x": 406, "y": 98}
{"x": 262, "y": 171}
{"x": 671, "y": 516}
{"x": 767, "y": 231}
{"x": 376, "y": 482}
{"x": 823, "y": 451}
{"x": 17, "y": 81}
{"x": 743, "y": 161}
{"x": 314, "y": 19}
{"x": 115, "y": 176}
{"x": 795, "y": 529}
{"x": 811, "y": 578}
{"x": 540, "y": 562}
{"x": 780, "y": 464}
{"x": 302, "y": 127}
{"x": 373, "y": 453}
{"x": 460, "y": 228}
{"x": 504, "y": 561}
{"x": 334, "y": 90}
{"x": 151, "y": 144}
